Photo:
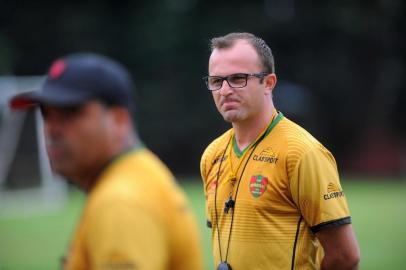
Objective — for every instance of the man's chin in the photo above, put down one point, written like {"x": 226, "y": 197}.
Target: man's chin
{"x": 231, "y": 117}
{"x": 61, "y": 170}
{"x": 68, "y": 177}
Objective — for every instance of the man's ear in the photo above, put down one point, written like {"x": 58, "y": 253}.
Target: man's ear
{"x": 270, "y": 82}
{"x": 122, "y": 119}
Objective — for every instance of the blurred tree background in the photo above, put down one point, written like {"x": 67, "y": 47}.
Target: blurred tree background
{"x": 340, "y": 64}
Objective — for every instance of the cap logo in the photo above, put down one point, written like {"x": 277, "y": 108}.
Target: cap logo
{"x": 57, "y": 68}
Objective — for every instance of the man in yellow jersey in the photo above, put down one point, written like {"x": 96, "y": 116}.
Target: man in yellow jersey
{"x": 135, "y": 217}
{"x": 273, "y": 195}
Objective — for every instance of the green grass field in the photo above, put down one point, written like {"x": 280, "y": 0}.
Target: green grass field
{"x": 378, "y": 210}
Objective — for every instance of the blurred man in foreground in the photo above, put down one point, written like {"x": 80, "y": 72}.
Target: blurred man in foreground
{"x": 135, "y": 217}
{"x": 273, "y": 195}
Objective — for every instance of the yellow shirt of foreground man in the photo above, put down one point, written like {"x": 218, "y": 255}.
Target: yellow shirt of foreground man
{"x": 286, "y": 188}
{"x": 136, "y": 217}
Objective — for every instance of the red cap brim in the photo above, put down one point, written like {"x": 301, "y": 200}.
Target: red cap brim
{"x": 22, "y": 102}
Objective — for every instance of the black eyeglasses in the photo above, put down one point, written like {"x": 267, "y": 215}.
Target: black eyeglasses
{"x": 237, "y": 80}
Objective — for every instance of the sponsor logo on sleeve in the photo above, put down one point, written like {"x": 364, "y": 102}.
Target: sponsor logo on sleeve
{"x": 219, "y": 158}
{"x": 266, "y": 155}
{"x": 333, "y": 192}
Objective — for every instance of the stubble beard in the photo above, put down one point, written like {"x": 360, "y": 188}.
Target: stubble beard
{"x": 232, "y": 116}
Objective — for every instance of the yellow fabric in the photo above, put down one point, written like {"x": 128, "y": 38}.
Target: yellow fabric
{"x": 136, "y": 217}
{"x": 289, "y": 185}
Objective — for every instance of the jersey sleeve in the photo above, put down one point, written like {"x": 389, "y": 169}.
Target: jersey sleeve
{"x": 213, "y": 156}
{"x": 121, "y": 235}
{"x": 316, "y": 190}
{"x": 203, "y": 160}
{"x": 204, "y": 174}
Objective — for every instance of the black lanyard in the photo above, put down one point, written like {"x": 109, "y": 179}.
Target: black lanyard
{"x": 230, "y": 204}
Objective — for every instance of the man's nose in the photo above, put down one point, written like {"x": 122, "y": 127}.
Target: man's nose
{"x": 225, "y": 89}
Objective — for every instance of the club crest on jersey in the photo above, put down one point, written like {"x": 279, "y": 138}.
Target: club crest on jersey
{"x": 258, "y": 184}
{"x": 266, "y": 155}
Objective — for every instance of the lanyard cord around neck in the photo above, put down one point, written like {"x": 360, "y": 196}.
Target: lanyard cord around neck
{"x": 235, "y": 199}
{"x": 233, "y": 174}
{"x": 254, "y": 145}
{"x": 215, "y": 197}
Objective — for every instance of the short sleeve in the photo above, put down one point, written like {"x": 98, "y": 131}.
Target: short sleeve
{"x": 316, "y": 190}
{"x": 125, "y": 236}
{"x": 204, "y": 175}
{"x": 203, "y": 172}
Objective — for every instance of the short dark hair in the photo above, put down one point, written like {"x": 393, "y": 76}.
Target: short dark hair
{"x": 263, "y": 50}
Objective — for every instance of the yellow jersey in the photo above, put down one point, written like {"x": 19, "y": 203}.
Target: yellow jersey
{"x": 286, "y": 189}
{"x": 136, "y": 217}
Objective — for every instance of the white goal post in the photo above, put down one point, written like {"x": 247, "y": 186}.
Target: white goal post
{"x": 27, "y": 184}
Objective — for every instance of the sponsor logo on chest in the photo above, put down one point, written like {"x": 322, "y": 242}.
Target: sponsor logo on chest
{"x": 267, "y": 155}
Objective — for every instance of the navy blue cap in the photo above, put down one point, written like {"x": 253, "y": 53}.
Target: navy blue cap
{"x": 78, "y": 78}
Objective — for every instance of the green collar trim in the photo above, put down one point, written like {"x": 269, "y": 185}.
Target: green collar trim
{"x": 239, "y": 153}
{"x": 237, "y": 150}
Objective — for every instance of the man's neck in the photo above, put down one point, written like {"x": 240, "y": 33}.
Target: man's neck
{"x": 248, "y": 131}
{"x": 89, "y": 179}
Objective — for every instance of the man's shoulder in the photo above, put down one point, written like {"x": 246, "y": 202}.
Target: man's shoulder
{"x": 217, "y": 145}
{"x": 213, "y": 152}
{"x": 135, "y": 167}
{"x": 133, "y": 177}
{"x": 115, "y": 190}
{"x": 298, "y": 140}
